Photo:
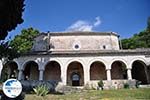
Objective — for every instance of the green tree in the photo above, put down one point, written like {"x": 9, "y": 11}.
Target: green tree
{"x": 7, "y": 52}
{"x": 148, "y": 24}
{"x": 140, "y": 40}
{"x": 24, "y": 42}
{"x": 10, "y": 15}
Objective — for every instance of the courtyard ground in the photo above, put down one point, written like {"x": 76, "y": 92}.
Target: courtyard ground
{"x": 122, "y": 94}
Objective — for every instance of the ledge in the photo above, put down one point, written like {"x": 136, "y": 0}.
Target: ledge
{"x": 145, "y": 52}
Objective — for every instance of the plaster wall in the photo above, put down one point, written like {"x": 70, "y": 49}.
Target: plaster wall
{"x": 88, "y": 42}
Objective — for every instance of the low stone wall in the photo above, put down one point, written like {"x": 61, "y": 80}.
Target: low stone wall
{"x": 113, "y": 84}
{"x": 28, "y": 85}
{"x": 61, "y": 88}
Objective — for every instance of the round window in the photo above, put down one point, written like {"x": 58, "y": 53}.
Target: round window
{"x": 76, "y": 46}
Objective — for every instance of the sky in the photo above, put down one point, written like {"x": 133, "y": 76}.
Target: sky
{"x": 125, "y": 17}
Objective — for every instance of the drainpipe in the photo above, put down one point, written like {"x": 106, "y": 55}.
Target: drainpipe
{"x": 48, "y": 41}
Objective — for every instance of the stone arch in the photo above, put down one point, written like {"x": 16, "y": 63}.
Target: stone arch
{"x": 98, "y": 71}
{"x": 52, "y": 59}
{"x": 27, "y": 61}
{"x": 118, "y": 70}
{"x": 120, "y": 60}
{"x": 75, "y": 68}
{"x": 75, "y": 60}
{"x": 139, "y": 71}
{"x": 52, "y": 71}
{"x": 99, "y": 60}
{"x": 10, "y": 70}
{"x": 138, "y": 59}
{"x": 30, "y": 71}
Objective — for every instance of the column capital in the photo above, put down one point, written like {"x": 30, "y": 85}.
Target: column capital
{"x": 41, "y": 69}
{"x": 20, "y": 69}
{"x": 129, "y": 68}
{"x": 108, "y": 69}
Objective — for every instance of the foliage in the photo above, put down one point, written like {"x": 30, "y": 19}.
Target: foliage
{"x": 140, "y": 40}
{"x": 137, "y": 84}
{"x": 24, "y": 42}
{"x": 10, "y": 15}
{"x": 126, "y": 85}
{"x": 41, "y": 90}
{"x": 4, "y": 74}
{"x": 101, "y": 84}
{"x": 7, "y": 52}
{"x": 148, "y": 24}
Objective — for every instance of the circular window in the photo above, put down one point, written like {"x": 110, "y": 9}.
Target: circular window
{"x": 76, "y": 46}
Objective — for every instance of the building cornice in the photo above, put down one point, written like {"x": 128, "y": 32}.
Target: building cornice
{"x": 91, "y": 53}
{"x": 81, "y": 33}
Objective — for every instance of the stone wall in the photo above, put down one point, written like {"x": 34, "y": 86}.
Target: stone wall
{"x": 87, "y": 42}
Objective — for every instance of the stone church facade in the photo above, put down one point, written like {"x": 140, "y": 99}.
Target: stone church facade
{"x": 81, "y": 58}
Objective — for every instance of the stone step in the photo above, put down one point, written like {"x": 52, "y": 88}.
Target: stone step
{"x": 69, "y": 89}
{"x": 144, "y": 86}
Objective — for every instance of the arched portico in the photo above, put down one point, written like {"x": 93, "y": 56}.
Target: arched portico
{"x": 75, "y": 74}
{"x": 139, "y": 71}
{"x": 97, "y": 71}
{"x": 10, "y": 69}
{"x": 118, "y": 70}
{"x": 31, "y": 71}
{"x": 52, "y": 71}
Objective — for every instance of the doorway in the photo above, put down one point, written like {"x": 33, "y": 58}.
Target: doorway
{"x": 75, "y": 79}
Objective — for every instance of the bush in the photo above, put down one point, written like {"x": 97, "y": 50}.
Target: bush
{"x": 28, "y": 85}
{"x": 137, "y": 84}
{"x": 101, "y": 84}
{"x": 126, "y": 86}
{"x": 41, "y": 90}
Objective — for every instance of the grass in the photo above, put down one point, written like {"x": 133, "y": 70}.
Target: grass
{"x": 122, "y": 94}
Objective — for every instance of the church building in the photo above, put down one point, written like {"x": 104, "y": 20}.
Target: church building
{"x": 82, "y": 58}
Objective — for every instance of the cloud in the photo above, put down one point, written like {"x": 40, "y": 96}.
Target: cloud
{"x": 97, "y": 22}
{"x": 82, "y": 25}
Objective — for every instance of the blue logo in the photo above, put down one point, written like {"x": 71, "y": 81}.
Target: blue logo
{"x": 12, "y": 88}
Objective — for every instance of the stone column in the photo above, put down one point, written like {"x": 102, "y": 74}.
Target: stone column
{"x": 129, "y": 74}
{"x": 41, "y": 74}
{"x": 146, "y": 73}
{"x": 86, "y": 75}
{"x": 41, "y": 69}
{"x": 108, "y": 74}
{"x": 64, "y": 74}
{"x": 20, "y": 74}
